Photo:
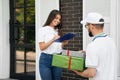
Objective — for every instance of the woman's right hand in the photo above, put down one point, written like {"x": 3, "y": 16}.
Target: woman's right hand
{"x": 44, "y": 45}
{"x": 56, "y": 37}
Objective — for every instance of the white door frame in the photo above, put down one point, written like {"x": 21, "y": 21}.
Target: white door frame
{"x": 114, "y": 29}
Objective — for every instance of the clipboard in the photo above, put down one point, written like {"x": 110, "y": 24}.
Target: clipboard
{"x": 66, "y": 37}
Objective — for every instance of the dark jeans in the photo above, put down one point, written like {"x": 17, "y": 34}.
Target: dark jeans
{"x": 47, "y": 71}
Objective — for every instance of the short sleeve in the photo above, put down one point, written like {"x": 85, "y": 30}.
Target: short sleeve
{"x": 41, "y": 35}
{"x": 91, "y": 56}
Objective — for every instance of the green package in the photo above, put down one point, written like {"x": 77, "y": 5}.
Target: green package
{"x": 69, "y": 62}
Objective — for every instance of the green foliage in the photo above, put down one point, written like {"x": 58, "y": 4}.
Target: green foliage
{"x": 30, "y": 16}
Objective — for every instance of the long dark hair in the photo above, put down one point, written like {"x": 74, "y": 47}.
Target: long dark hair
{"x": 51, "y": 17}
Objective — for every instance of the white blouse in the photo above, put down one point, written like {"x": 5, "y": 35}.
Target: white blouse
{"x": 44, "y": 35}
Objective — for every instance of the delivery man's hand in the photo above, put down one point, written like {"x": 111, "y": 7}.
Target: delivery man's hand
{"x": 81, "y": 51}
{"x": 77, "y": 72}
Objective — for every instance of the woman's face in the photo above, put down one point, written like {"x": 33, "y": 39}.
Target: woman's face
{"x": 56, "y": 20}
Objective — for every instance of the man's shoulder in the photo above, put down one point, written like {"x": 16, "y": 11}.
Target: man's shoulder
{"x": 90, "y": 45}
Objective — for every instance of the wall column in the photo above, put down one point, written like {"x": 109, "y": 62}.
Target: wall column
{"x": 4, "y": 39}
{"x": 115, "y": 29}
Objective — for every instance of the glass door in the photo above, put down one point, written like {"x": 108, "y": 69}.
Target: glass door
{"x": 22, "y": 39}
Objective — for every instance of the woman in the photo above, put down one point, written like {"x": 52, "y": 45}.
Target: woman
{"x": 47, "y": 36}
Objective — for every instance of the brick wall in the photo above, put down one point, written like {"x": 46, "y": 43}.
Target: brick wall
{"x": 71, "y": 15}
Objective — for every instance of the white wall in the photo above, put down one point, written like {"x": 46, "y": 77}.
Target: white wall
{"x": 4, "y": 39}
{"x": 100, "y": 6}
{"x": 115, "y": 27}
{"x": 43, "y": 8}
{"x": 118, "y": 36}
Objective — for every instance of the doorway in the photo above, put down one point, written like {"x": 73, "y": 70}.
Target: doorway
{"x": 22, "y": 39}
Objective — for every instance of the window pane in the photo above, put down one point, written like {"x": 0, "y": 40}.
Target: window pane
{"x": 30, "y": 16}
{"x": 19, "y": 16}
{"x": 30, "y": 67}
{"x": 20, "y": 53}
{"x": 20, "y": 60}
{"x": 30, "y": 37}
{"x": 19, "y": 66}
{"x": 19, "y": 3}
{"x": 19, "y": 25}
{"x": 30, "y": 2}
{"x": 19, "y": 34}
{"x": 31, "y": 55}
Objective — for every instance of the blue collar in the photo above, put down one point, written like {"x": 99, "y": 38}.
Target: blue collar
{"x": 99, "y": 35}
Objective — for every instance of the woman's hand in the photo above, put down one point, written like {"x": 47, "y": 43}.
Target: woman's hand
{"x": 65, "y": 42}
{"x": 44, "y": 45}
{"x": 56, "y": 37}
